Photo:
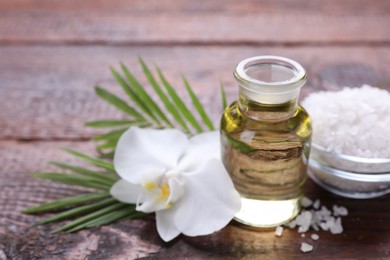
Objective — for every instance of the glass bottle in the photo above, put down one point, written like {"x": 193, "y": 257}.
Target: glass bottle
{"x": 266, "y": 139}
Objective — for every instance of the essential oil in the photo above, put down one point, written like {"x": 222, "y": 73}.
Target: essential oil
{"x": 266, "y": 140}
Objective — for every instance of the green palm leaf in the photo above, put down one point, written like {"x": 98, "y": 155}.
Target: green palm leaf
{"x": 70, "y": 201}
{"x": 223, "y": 97}
{"x": 198, "y": 105}
{"x": 98, "y": 162}
{"x": 83, "y": 171}
{"x": 98, "y": 207}
{"x": 144, "y": 111}
{"x": 78, "y": 211}
{"x": 91, "y": 216}
{"x": 118, "y": 103}
{"x": 138, "y": 100}
{"x": 112, "y": 123}
{"x": 144, "y": 95}
{"x": 179, "y": 102}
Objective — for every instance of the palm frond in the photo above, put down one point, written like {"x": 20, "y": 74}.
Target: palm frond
{"x": 179, "y": 103}
{"x": 67, "y": 202}
{"x": 144, "y": 111}
{"x": 93, "y": 208}
{"x": 118, "y": 103}
{"x": 79, "y": 211}
{"x": 97, "y": 162}
{"x": 98, "y": 208}
{"x": 198, "y": 105}
{"x": 139, "y": 100}
{"x": 223, "y": 97}
{"x": 144, "y": 95}
{"x": 112, "y": 123}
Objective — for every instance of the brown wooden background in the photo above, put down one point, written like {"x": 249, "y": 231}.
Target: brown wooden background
{"x": 53, "y": 52}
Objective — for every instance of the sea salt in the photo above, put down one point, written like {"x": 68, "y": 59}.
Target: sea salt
{"x": 303, "y": 220}
{"x": 279, "y": 231}
{"x": 336, "y": 227}
{"x": 340, "y": 211}
{"x": 305, "y": 247}
{"x": 306, "y": 202}
{"x": 353, "y": 121}
{"x": 317, "y": 204}
{"x": 317, "y": 217}
{"x": 315, "y": 236}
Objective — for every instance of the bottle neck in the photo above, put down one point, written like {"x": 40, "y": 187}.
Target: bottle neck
{"x": 267, "y": 112}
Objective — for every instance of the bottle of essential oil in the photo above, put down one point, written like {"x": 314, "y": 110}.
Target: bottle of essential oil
{"x": 266, "y": 140}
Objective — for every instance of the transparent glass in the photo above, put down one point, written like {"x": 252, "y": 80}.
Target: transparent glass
{"x": 350, "y": 176}
{"x": 265, "y": 139}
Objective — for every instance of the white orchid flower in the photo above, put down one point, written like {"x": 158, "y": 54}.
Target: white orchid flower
{"x": 181, "y": 179}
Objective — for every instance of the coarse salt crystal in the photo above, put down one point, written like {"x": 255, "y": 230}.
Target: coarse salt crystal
{"x": 305, "y": 247}
{"x": 317, "y": 217}
{"x": 324, "y": 226}
{"x": 292, "y": 224}
{"x": 323, "y": 214}
{"x": 314, "y": 226}
{"x": 306, "y": 202}
{"x": 303, "y": 221}
{"x": 279, "y": 231}
{"x": 336, "y": 228}
{"x": 317, "y": 204}
{"x": 339, "y": 211}
{"x": 315, "y": 236}
{"x": 354, "y": 119}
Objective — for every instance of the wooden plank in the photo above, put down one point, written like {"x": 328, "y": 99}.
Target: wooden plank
{"x": 47, "y": 92}
{"x": 18, "y": 190}
{"x": 366, "y": 225}
{"x": 219, "y": 22}
{"x": 216, "y": 6}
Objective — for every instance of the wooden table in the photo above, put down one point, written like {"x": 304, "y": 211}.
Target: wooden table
{"x": 52, "y": 53}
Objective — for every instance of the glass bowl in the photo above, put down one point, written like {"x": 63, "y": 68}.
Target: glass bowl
{"x": 349, "y": 176}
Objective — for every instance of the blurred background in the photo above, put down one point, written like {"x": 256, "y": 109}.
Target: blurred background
{"x": 54, "y": 52}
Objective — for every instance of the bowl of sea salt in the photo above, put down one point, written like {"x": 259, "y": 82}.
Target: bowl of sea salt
{"x": 350, "y": 153}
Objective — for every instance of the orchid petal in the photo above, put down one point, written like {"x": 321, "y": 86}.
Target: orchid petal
{"x": 202, "y": 148}
{"x": 165, "y": 225}
{"x": 210, "y": 201}
{"x": 151, "y": 204}
{"x": 144, "y": 151}
{"x": 125, "y": 191}
{"x": 161, "y": 196}
{"x": 176, "y": 190}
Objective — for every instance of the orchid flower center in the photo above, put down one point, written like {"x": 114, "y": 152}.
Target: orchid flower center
{"x": 161, "y": 192}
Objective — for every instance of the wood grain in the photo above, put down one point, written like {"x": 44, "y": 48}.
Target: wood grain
{"x": 246, "y": 22}
{"x": 52, "y": 54}
{"x": 367, "y": 224}
{"x": 222, "y": 6}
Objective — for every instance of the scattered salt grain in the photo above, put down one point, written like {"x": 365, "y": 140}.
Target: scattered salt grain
{"x": 315, "y": 236}
{"x": 314, "y": 226}
{"x": 303, "y": 220}
{"x": 292, "y": 224}
{"x": 329, "y": 223}
{"x": 317, "y": 204}
{"x": 336, "y": 228}
{"x": 351, "y": 113}
{"x": 279, "y": 231}
{"x": 323, "y": 214}
{"x": 306, "y": 202}
{"x": 339, "y": 211}
{"x": 305, "y": 247}
{"x": 318, "y": 218}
